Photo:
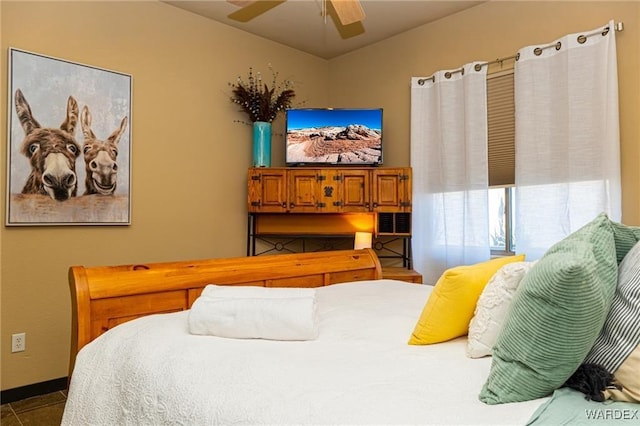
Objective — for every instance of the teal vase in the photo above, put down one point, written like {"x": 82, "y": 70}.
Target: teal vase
{"x": 261, "y": 144}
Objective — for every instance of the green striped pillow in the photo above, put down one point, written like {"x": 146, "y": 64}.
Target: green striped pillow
{"x": 625, "y": 237}
{"x": 555, "y": 317}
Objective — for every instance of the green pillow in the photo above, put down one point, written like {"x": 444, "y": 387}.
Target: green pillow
{"x": 625, "y": 238}
{"x": 556, "y": 315}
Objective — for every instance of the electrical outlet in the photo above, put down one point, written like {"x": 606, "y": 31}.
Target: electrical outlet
{"x": 18, "y": 342}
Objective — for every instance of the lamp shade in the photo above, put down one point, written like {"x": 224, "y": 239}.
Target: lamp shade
{"x": 362, "y": 240}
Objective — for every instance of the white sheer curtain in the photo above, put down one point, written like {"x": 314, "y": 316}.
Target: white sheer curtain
{"x": 567, "y": 138}
{"x": 450, "y": 171}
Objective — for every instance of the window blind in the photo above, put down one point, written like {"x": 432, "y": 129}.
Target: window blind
{"x": 501, "y": 128}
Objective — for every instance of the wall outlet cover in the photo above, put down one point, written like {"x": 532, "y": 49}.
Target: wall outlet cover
{"x": 18, "y": 342}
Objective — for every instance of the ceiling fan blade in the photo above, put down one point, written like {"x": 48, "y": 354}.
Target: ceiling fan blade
{"x": 345, "y": 31}
{"x": 348, "y": 11}
{"x": 351, "y": 30}
{"x": 253, "y": 9}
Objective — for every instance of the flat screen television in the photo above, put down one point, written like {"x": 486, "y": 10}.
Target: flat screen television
{"x": 333, "y": 136}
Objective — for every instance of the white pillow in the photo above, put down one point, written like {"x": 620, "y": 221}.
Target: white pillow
{"x": 492, "y": 308}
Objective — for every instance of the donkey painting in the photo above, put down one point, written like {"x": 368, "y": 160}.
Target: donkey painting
{"x": 100, "y": 157}
{"x": 51, "y": 152}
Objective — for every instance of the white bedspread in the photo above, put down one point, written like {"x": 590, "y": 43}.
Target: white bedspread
{"x": 360, "y": 370}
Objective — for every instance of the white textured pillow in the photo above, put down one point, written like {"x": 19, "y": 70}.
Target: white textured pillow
{"x": 492, "y": 308}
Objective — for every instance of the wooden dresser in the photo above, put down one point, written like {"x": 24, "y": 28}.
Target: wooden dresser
{"x": 315, "y": 203}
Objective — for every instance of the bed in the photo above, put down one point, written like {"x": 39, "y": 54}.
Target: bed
{"x": 322, "y": 338}
{"x": 135, "y": 362}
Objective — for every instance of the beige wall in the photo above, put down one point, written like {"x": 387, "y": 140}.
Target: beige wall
{"x": 486, "y": 32}
{"x": 190, "y": 158}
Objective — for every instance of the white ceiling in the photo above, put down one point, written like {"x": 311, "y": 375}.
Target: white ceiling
{"x": 300, "y": 24}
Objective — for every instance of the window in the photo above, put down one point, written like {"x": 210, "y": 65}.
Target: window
{"x": 501, "y": 156}
{"x": 502, "y": 220}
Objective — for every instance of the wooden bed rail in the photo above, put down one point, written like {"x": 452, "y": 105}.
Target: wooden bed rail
{"x": 105, "y": 296}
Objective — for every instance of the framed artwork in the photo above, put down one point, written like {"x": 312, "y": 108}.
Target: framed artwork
{"x": 69, "y": 154}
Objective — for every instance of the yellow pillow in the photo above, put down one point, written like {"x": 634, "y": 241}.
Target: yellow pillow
{"x": 453, "y": 301}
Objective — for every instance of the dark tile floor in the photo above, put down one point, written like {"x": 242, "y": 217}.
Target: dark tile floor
{"x": 43, "y": 410}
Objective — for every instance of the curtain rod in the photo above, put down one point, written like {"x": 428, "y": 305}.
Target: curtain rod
{"x": 619, "y": 26}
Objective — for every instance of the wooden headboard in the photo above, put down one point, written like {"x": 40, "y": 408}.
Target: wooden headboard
{"x": 105, "y": 296}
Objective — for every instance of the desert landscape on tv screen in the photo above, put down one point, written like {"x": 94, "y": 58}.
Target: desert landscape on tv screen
{"x": 334, "y": 137}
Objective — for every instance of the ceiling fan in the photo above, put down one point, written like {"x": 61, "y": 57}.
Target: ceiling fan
{"x": 349, "y": 13}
